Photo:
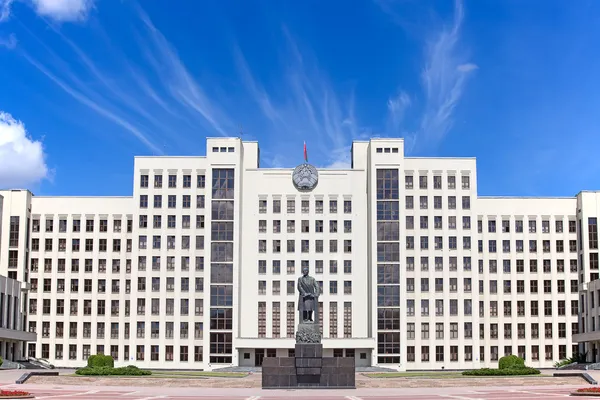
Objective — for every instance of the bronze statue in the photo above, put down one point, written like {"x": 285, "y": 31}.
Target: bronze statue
{"x": 308, "y": 296}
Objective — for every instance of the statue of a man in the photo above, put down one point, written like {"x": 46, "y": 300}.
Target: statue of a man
{"x": 308, "y": 296}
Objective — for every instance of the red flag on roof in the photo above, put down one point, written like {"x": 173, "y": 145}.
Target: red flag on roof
{"x": 305, "y": 153}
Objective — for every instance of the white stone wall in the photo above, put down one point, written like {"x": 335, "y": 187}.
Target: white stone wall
{"x": 254, "y": 184}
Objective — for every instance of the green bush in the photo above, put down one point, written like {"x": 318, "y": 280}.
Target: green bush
{"x": 576, "y": 358}
{"x": 511, "y": 361}
{"x": 130, "y": 370}
{"x": 1, "y": 361}
{"x": 100, "y": 360}
{"x": 502, "y": 372}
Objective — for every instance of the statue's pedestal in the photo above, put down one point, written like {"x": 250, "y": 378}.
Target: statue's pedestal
{"x": 308, "y": 370}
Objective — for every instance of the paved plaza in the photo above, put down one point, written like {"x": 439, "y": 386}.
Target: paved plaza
{"x": 138, "y": 393}
{"x": 248, "y": 388}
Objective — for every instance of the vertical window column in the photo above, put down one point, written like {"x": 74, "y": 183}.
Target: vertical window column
{"x": 221, "y": 267}
{"x": 388, "y": 267}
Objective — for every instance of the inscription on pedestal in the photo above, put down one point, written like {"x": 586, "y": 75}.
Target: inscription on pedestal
{"x": 308, "y": 369}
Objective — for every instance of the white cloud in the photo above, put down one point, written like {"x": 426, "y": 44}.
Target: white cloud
{"x": 56, "y": 10}
{"x": 22, "y": 159}
{"x": 468, "y": 67}
{"x": 63, "y": 10}
{"x": 10, "y": 42}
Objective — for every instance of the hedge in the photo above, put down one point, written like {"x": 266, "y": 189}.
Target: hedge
{"x": 502, "y": 372}
{"x": 100, "y": 360}
{"x": 511, "y": 361}
{"x": 130, "y": 370}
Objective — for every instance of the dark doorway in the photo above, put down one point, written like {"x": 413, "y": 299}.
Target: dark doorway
{"x": 259, "y": 355}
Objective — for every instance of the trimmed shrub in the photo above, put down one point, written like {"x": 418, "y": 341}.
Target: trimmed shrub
{"x": 130, "y": 370}
{"x": 511, "y": 361}
{"x": 502, "y": 372}
{"x": 1, "y": 361}
{"x": 100, "y": 360}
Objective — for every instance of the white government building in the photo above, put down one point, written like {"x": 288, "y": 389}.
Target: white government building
{"x": 198, "y": 268}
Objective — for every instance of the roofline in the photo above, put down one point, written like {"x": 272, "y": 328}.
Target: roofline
{"x": 169, "y": 156}
{"x": 526, "y": 197}
{"x": 442, "y": 158}
{"x": 83, "y": 197}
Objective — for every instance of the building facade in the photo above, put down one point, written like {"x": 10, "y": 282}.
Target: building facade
{"x": 13, "y": 332}
{"x": 198, "y": 268}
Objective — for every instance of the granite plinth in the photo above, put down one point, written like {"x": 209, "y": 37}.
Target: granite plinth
{"x": 308, "y": 370}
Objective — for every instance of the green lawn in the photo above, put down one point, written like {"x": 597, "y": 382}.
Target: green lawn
{"x": 206, "y": 374}
{"x": 415, "y": 374}
{"x": 435, "y": 374}
{"x": 178, "y": 375}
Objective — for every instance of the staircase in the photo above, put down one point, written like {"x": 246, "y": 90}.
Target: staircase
{"x": 35, "y": 363}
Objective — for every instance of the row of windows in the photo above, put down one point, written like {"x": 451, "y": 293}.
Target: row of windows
{"x": 532, "y": 225}
{"x": 101, "y": 309}
{"x": 452, "y": 285}
{"x": 466, "y": 224}
{"x": 440, "y": 352}
{"x": 305, "y": 226}
{"x": 439, "y": 264}
{"x": 492, "y": 244}
{"x": 168, "y": 352}
{"x": 172, "y": 201}
{"x": 305, "y": 246}
{"x": 441, "y": 331}
{"x": 76, "y": 225}
{"x": 453, "y": 306}
{"x": 291, "y": 287}
{"x": 437, "y": 202}
{"x": 116, "y": 243}
{"x": 305, "y": 206}
{"x": 186, "y": 221}
{"x": 172, "y": 181}
{"x": 115, "y": 285}
{"x": 291, "y": 266}
{"x": 200, "y": 203}
{"x": 437, "y": 181}
{"x": 102, "y": 264}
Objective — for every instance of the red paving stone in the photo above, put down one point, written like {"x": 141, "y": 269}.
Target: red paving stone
{"x": 467, "y": 394}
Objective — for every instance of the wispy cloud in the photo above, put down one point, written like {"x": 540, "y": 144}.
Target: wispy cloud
{"x": 443, "y": 77}
{"x": 95, "y": 106}
{"x": 9, "y": 42}
{"x": 5, "y": 9}
{"x": 397, "y": 108}
{"x": 163, "y": 57}
{"x": 311, "y": 111}
{"x": 315, "y": 111}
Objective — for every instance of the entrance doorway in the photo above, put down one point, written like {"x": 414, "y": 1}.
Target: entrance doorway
{"x": 259, "y": 356}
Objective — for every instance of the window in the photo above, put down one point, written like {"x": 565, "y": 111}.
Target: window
{"x": 157, "y": 181}
{"x": 347, "y": 206}
{"x": 201, "y": 181}
{"x": 466, "y": 184}
{"x": 593, "y": 233}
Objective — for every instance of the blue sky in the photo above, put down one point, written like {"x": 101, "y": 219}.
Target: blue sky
{"x": 86, "y": 85}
